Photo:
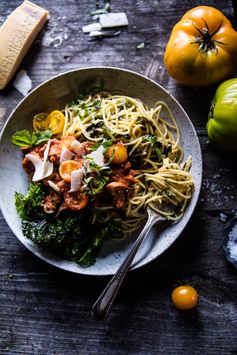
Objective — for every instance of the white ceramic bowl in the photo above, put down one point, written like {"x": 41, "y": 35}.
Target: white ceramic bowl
{"x": 55, "y": 93}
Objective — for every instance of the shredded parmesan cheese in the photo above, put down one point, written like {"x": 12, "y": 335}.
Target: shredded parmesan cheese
{"x": 97, "y": 156}
{"x": 42, "y": 168}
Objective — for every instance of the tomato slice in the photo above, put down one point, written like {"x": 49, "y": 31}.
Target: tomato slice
{"x": 75, "y": 200}
{"x": 56, "y": 120}
{"x": 67, "y": 167}
{"x": 40, "y": 122}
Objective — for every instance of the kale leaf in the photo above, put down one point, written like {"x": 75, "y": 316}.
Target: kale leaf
{"x": 70, "y": 238}
{"x": 106, "y": 230}
{"x": 67, "y": 237}
{"x": 29, "y": 206}
{"x": 57, "y": 236}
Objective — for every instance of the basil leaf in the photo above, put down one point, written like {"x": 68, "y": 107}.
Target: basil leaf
{"x": 40, "y": 137}
{"x": 22, "y": 138}
{"x": 25, "y": 139}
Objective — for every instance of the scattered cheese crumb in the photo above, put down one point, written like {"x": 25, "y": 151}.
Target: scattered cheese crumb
{"x": 222, "y": 217}
{"x": 232, "y": 243}
{"x": 53, "y": 185}
{"x": 113, "y": 19}
{"x": 91, "y": 27}
{"x": 23, "y": 82}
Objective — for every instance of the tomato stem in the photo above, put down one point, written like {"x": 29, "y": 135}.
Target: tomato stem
{"x": 206, "y": 41}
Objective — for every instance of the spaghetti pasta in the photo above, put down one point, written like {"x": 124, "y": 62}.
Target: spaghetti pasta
{"x": 152, "y": 138}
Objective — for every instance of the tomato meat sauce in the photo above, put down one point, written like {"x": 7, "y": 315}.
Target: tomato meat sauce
{"x": 62, "y": 195}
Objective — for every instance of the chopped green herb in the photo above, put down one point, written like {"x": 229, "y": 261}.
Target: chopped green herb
{"x": 104, "y": 10}
{"x": 105, "y": 143}
{"x": 156, "y": 145}
{"x": 150, "y": 138}
{"x": 141, "y": 45}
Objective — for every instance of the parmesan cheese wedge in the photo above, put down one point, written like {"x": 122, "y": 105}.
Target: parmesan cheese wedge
{"x": 16, "y": 36}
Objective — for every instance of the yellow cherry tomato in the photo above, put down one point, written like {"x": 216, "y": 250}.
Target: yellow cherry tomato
{"x": 184, "y": 297}
{"x": 67, "y": 167}
{"x": 56, "y": 121}
{"x": 118, "y": 152}
{"x": 40, "y": 122}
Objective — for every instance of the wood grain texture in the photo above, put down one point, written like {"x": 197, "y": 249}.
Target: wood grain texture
{"x": 47, "y": 311}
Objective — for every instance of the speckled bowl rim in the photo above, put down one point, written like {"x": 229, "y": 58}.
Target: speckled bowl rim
{"x": 54, "y": 260}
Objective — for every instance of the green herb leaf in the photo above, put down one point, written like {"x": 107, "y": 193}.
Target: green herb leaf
{"x": 22, "y": 138}
{"x": 106, "y": 143}
{"x": 158, "y": 153}
{"x": 150, "y": 138}
{"x": 25, "y": 139}
{"x": 156, "y": 145}
{"x": 40, "y": 137}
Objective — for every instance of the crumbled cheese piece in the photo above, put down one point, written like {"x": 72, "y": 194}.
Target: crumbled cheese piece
{"x": 96, "y": 34}
{"x": 104, "y": 33}
{"x": 43, "y": 168}
{"x": 66, "y": 154}
{"x": 97, "y": 156}
{"x": 222, "y": 217}
{"x": 113, "y": 19}
{"x": 232, "y": 243}
{"x": 76, "y": 179}
{"x": 23, "y": 82}
{"x": 53, "y": 185}
{"x": 77, "y": 147}
{"x": 16, "y": 36}
{"x": 91, "y": 27}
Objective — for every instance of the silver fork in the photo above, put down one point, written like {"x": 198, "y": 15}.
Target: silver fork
{"x": 103, "y": 304}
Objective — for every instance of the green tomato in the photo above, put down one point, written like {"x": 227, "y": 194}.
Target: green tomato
{"x": 222, "y": 118}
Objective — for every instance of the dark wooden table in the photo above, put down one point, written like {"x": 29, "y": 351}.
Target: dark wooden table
{"x": 47, "y": 311}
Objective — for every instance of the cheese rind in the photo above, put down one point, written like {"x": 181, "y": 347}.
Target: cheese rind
{"x": 16, "y": 36}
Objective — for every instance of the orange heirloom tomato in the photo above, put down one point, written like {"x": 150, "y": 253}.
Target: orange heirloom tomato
{"x": 67, "y": 167}
{"x": 202, "y": 49}
{"x": 56, "y": 120}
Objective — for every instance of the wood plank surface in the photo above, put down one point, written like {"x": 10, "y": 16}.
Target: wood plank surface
{"x": 47, "y": 311}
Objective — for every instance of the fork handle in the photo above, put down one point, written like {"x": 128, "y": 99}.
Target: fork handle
{"x": 103, "y": 304}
